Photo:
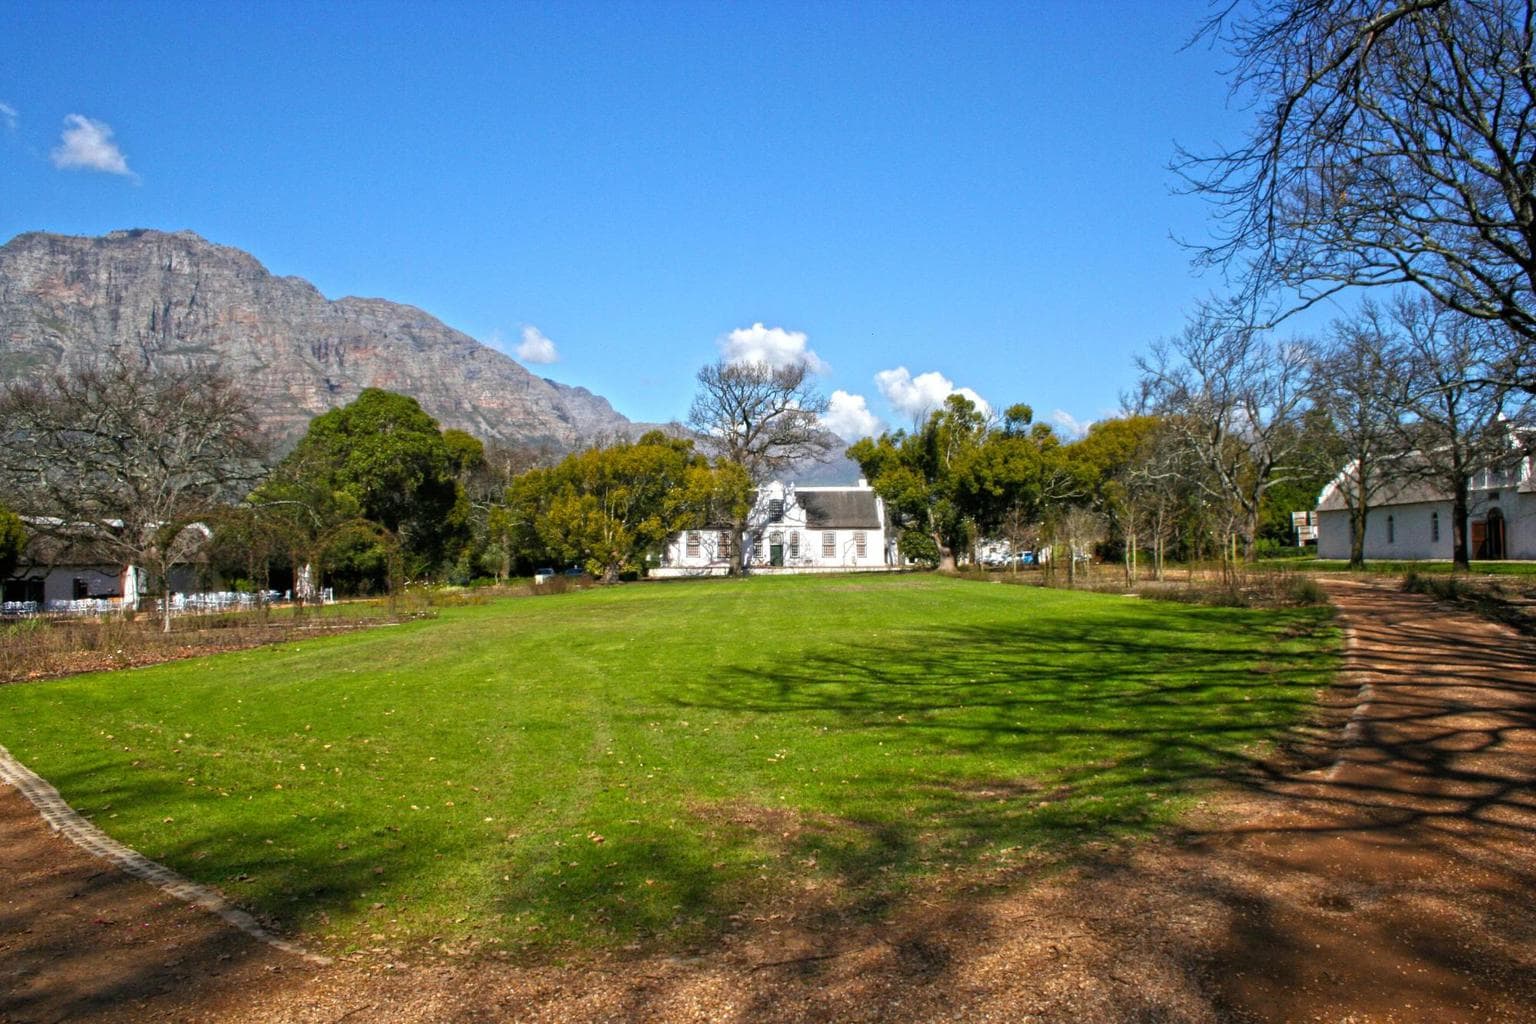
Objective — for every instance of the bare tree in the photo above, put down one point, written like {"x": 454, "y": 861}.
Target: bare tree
{"x": 1458, "y": 424}
{"x": 761, "y": 418}
{"x": 1357, "y": 383}
{"x": 128, "y": 458}
{"x": 1232, "y": 396}
{"x": 1158, "y": 486}
{"x": 1392, "y": 145}
{"x": 1079, "y": 528}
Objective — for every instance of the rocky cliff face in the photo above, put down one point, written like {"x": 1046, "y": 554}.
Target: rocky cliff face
{"x": 179, "y": 299}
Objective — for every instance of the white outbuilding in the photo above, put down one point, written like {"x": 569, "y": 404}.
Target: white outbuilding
{"x": 1411, "y": 518}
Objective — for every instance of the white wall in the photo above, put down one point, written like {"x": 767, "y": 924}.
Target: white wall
{"x": 1394, "y": 531}
{"x": 1412, "y": 529}
{"x": 813, "y": 552}
{"x": 713, "y": 549}
{"x": 1522, "y": 526}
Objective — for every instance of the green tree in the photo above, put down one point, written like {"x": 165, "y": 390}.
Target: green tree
{"x": 465, "y": 452}
{"x": 300, "y": 514}
{"x": 1017, "y": 477}
{"x": 922, "y": 475}
{"x": 605, "y": 508}
{"x": 384, "y": 453}
{"x": 1110, "y": 461}
{"x": 13, "y": 541}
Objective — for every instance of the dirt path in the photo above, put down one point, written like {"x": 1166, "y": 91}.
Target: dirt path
{"x": 1393, "y": 884}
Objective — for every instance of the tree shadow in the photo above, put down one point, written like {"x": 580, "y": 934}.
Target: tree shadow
{"x": 1019, "y": 748}
{"x": 1036, "y": 738}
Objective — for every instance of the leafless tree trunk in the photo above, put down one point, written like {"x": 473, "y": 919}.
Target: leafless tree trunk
{"x": 1457, "y": 425}
{"x": 1357, "y": 384}
{"x": 1081, "y": 528}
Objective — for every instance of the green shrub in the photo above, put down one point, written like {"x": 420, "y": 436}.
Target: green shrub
{"x": 1441, "y": 588}
{"x": 920, "y": 548}
{"x": 1307, "y": 591}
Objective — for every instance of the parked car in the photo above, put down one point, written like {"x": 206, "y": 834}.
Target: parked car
{"x": 542, "y": 576}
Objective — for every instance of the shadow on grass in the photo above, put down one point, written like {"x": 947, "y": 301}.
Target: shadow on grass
{"x": 977, "y": 742}
{"x": 965, "y": 745}
{"x": 960, "y": 744}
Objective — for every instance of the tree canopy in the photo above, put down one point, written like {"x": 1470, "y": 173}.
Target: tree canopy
{"x": 763, "y": 420}
{"x": 605, "y": 508}
{"x": 382, "y": 454}
{"x": 13, "y": 541}
{"x": 959, "y": 476}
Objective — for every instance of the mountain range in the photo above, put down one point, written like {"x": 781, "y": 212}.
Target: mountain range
{"x": 179, "y": 299}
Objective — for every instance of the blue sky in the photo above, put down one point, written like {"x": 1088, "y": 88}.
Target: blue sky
{"x": 924, "y": 196}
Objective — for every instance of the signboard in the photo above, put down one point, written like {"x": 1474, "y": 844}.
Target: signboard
{"x": 1305, "y": 526}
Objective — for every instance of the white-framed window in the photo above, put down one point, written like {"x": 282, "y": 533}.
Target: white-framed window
{"x": 693, "y": 544}
{"x": 860, "y": 545}
{"x": 1434, "y": 527}
{"x": 829, "y": 544}
{"x": 794, "y": 543}
{"x": 759, "y": 552}
{"x": 725, "y": 543}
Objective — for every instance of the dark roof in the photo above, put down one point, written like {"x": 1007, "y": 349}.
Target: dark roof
{"x": 51, "y": 545}
{"x": 838, "y": 509}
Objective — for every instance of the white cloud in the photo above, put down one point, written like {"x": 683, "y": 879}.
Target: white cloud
{"x": 848, "y": 417}
{"x": 87, "y": 145}
{"x": 1069, "y": 424}
{"x": 535, "y": 348}
{"x": 918, "y": 396}
{"x": 772, "y": 345}
{"x": 8, "y": 115}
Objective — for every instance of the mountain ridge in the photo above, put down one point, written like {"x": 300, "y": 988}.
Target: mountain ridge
{"x": 178, "y": 298}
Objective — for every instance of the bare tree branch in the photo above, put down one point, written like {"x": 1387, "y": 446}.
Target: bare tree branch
{"x": 126, "y": 458}
{"x": 1233, "y": 396}
{"x": 1394, "y": 143}
{"x": 763, "y": 419}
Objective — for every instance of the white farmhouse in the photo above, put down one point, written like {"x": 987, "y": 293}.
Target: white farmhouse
{"x": 793, "y": 529}
{"x": 1412, "y": 519}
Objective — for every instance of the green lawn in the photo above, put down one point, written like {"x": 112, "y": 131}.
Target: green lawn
{"x": 638, "y": 763}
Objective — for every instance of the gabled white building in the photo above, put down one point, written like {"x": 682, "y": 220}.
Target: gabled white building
{"x": 73, "y": 570}
{"x": 1412, "y": 519}
{"x": 793, "y": 529}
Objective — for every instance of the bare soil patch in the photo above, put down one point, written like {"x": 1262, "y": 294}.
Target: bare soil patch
{"x": 1382, "y": 873}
